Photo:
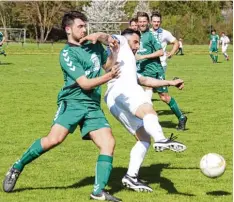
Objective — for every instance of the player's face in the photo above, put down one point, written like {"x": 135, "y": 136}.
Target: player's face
{"x": 134, "y": 42}
{"x": 77, "y": 30}
{"x": 134, "y": 26}
{"x": 143, "y": 24}
{"x": 156, "y": 22}
{"x": 213, "y": 33}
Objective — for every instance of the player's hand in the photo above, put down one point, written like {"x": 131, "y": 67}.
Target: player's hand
{"x": 177, "y": 82}
{"x": 91, "y": 37}
{"x": 115, "y": 71}
{"x": 169, "y": 55}
{"x": 139, "y": 57}
{"x": 113, "y": 45}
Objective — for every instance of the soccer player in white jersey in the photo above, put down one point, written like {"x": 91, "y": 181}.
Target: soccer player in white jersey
{"x": 224, "y": 41}
{"x": 165, "y": 37}
{"x": 129, "y": 104}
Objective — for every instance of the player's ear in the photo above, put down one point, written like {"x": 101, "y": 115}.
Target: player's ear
{"x": 68, "y": 30}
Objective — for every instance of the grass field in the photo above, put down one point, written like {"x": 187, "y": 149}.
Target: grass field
{"x": 30, "y": 80}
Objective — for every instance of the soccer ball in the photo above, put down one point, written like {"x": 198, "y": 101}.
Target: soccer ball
{"x": 212, "y": 165}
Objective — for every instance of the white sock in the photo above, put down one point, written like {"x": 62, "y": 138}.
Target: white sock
{"x": 152, "y": 127}
{"x": 149, "y": 93}
{"x": 137, "y": 156}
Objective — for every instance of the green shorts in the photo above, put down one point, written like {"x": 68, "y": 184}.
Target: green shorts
{"x": 213, "y": 49}
{"x": 88, "y": 117}
{"x": 160, "y": 74}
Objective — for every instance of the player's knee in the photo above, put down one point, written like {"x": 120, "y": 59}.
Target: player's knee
{"x": 165, "y": 98}
{"x": 108, "y": 144}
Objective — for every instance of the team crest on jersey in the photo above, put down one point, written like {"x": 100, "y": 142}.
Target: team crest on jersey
{"x": 96, "y": 63}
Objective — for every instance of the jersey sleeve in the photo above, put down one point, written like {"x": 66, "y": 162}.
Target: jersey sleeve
{"x": 155, "y": 43}
{"x": 169, "y": 37}
{"x": 70, "y": 64}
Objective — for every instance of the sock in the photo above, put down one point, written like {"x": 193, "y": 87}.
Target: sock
{"x": 152, "y": 127}
{"x": 31, "y": 154}
{"x": 175, "y": 108}
{"x": 2, "y": 52}
{"x": 216, "y": 58}
{"x": 103, "y": 170}
{"x": 149, "y": 93}
{"x": 225, "y": 55}
{"x": 212, "y": 57}
{"x": 137, "y": 156}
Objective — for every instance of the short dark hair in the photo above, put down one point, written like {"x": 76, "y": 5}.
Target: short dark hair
{"x": 130, "y": 32}
{"x": 156, "y": 14}
{"x": 133, "y": 20}
{"x": 142, "y": 14}
{"x": 68, "y": 18}
{"x": 213, "y": 30}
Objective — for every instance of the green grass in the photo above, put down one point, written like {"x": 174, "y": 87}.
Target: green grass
{"x": 30, "y": 80}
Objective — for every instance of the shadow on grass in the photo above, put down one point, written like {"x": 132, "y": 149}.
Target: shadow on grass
{"x": 218, "y": 193}
{"x": 151, "y": 175}
{"x": 5, "y": 63}
{"x": 169, "y": 112}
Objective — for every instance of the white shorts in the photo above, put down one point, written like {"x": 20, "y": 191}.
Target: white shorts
{"x": 123, "y": 106}
{"x": 224, "y": 49}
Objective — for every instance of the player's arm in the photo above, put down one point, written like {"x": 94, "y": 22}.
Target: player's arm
{"x": 72, "y": 66}
{"x": 107, "y": 40}
{"x": 172, "y": 40}
{"x": 155, "y": 46}
{"x": 153, "y": 55}
{"x": 88, "y": 84}
{"x": 154, "y": 83}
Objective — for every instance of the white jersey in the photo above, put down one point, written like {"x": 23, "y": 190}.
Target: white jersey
{"x": 164, "y": 38}
{"x": 126, "y": 58}
{"x": 124, "y": 96}
{"x": 180, "y": 44}
{"x": 224, "y": 40}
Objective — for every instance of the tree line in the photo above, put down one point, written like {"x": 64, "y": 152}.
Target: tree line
{"x": 190, "y": 20}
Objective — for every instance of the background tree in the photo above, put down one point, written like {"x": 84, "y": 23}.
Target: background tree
{"x": 105, "y": 11}
{"x": 142, "y": 6}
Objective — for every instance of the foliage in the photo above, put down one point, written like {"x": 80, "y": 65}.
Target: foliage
{"x": 105, "y": 11}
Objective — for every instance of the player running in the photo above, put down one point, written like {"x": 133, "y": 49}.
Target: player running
{"x": 128, "y": 103}
{"x": 149, "y": 64}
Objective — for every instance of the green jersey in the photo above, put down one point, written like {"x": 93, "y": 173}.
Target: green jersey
{"x": 148, "y": 44}
{"x": 77, "y": 61}
{"x": 1, "y": 36}
{"x": 214, "y": 40}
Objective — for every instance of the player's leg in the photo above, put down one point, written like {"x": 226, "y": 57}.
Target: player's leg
{"x": 2, "y": 52}
{"x": 97, "y": 128}
{"x": 105, "y": 141}
{"x": 224, "y": 51}
{"x": 166, "y": 98}
{"x": 149, "y": 92}
{"x": 65, "y": 121}
{"x": 57, "y": 134}
{"x": 216, "y": 55}
{"x": 211, "y": 55}
{"x": 131, "y": 179}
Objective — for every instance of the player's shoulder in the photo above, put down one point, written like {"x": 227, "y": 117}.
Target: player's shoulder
{"x": 1, "y": 33}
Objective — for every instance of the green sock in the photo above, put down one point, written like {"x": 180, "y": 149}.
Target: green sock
{"x": 216, "y": 58}
{"x": 212, "y": 57}
{"x": 175, "y": 108}
{"x": 103, "y": 170}
{"x": 32, "y": 153}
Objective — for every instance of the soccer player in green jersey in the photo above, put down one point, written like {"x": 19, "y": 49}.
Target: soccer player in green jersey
{"x": 214, "y": 46}
{"x": 149, "y": 65}
{"x": 2, "y": 39}
{"x": 79, "y": 104}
